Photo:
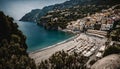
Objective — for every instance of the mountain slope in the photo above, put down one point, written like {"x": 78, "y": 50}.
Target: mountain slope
{"x": 35, "y": 14}
{"x": 59, "y": 19}
{"x": 31, "y": 16}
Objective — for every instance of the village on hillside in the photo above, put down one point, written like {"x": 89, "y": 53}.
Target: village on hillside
{"x": 98, "y": 22}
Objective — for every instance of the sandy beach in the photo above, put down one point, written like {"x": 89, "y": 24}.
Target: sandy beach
{"x": 45, "y": 53}
{"x": 75, "y": 42}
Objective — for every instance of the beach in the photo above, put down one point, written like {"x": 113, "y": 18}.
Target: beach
{"x": 45, "y": 53}
{"x": 76, "y": 43}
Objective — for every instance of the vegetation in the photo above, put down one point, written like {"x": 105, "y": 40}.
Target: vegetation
{"x": 62, "y": 60}
{"x": 114, "y": 35}
{"x": 60, "y": 18}
{"x": 112, "y": 50}
{"x": 31, "y": 16}
{"x": 115, "y": 32}
{"x": 13, "y": 48}
{"x": 35, "y": 14}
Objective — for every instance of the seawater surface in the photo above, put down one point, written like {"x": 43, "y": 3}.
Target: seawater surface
{"x": 38, "y": 37}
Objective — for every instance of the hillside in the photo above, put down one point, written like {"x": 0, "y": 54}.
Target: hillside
{"x": 57, "y": 16}
{"x": 59, "y": 19}
{"x": 31, "y": 16}
{"x": 12, "y": 46}
{"x": 54, "y": 20}
{"x": 35, "y": 14}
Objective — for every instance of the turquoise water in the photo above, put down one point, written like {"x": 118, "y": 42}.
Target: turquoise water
{"x": 38, "y": 37}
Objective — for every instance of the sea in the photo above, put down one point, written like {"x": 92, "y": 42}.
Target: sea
{"x": 38, "y": 38}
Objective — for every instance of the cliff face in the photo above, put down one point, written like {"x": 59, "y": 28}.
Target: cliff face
{"x": 13, "y": 48}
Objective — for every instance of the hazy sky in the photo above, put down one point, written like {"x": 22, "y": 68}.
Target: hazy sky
{"x": 18, "y": 8}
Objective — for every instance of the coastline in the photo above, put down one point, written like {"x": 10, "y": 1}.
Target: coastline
{"x": 70, "y": 44}
{"x": 46, "y": 52}
{"x": 54, "y": 45}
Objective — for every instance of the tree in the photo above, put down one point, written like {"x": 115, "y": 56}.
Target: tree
{"x": 13, "y": 48}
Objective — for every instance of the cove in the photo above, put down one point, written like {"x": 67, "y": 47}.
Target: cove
{"x": 38, "y": 37}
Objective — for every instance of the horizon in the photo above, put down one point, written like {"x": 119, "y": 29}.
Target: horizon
{"x": 18, "y": 8}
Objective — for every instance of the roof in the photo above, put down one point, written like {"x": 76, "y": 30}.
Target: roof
{"x": 99, "y": 54}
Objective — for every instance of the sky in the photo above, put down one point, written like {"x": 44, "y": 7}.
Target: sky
{"x": 18, "y": 8}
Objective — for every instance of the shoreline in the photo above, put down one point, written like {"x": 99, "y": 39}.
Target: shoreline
{"x": 45, "y": 53}
{"x": 72, "y": 43}
{"x": 56, "y": 44}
